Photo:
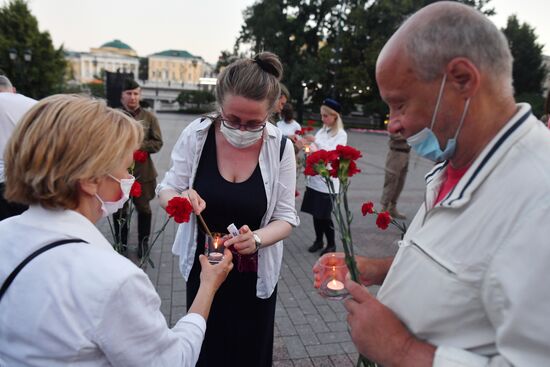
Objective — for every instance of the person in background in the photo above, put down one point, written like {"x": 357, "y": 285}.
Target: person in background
{"x": 468, "y": 285}
{"x": 235, "y": 169}
{"x": 397, "y": 163}
{"x": 287, "y": 124}
{"x": 77, "y": 301}
{"x": 145, "y": 172}
{"x": 12, "y": 107}
{"x": 317, "y": 201}
{"x": 283, "y": 99}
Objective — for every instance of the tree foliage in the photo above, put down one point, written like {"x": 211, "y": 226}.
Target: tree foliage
{"x": 195, "y": 97}
{"x": 329, "y": 47}
{"x": 528, "y": 69}
{"x": 44, "y": 73}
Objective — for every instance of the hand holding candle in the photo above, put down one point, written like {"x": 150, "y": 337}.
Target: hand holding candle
{"x": 215, "y": 247}
{"x": 330, "y": 273}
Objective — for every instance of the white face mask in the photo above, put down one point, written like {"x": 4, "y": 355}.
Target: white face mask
{"x": 111, "y": 207}
{"x": 239, "y": 138}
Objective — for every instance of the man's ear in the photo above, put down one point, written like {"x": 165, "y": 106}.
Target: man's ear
{"x": 464, "y": 76}
{"x": 88, "y": 186}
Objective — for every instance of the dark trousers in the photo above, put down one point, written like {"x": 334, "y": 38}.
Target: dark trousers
{"x": 144, "y": 218}
{"x": 324, "y": 227}
{"x": 9, "y": 209}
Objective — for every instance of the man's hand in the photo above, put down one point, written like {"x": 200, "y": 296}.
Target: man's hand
{"x": 379, "y": 335}
{"x": 371, "y": 271}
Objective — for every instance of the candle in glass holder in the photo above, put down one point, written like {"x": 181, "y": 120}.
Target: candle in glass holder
{"x": 335, "y": 285}
{"x": 215, "y": 249}
{"x": 306, "y": 148}
{"x": 333, "y": 274}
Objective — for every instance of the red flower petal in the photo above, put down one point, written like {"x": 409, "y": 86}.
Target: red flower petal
{"x": 348, "y": 152}
{"x": 383, "y": 220}
{"x": 367, "y": 208}
{"x": 180, "y": 209}
{"x": 140, "y": 156}
{"x": 135, "y": 191}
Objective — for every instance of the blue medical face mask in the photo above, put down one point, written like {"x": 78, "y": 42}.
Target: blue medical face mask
{"x": 425, "y": 142}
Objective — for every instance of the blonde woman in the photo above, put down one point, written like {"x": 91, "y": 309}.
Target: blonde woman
{"x": 67, "y": 297}
{"x": 316, "y": 200}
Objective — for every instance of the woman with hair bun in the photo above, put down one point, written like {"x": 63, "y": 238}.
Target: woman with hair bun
{"x": 237, "y": 168}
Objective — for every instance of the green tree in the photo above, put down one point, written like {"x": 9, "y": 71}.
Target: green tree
{"x": 196, "y": 97}
{"x": 330, "y": 47}
{"x": 225, "y": 58}
{"x": 44, "y": 73}
{"x": 528, "y": 70}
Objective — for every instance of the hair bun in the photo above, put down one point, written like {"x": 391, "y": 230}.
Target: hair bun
{"x": 270, "y": 63}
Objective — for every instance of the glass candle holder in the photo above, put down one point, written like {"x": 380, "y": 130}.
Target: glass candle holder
{"x": 307, "y": 149}
{"x": 214, "y": 247}
{"x": 333, "y": 274}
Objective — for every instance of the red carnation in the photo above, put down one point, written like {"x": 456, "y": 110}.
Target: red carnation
{"x": 180, "y": 209}
{"x": 334, "y": 166}
{"x": 352, "y": 169}
{"x": 135, "y": 191}
{"x": 317, "y": 157}
{"x": 310, "y": 122}
{"x": 367, "y": 208}
{"x": 383, "y": 220}
{"x": 310, "y": 171}
{"x": 299, "y": 132}
{"x": 347, "y": 152}
{"x": 307, "y": 129}
{"x": 140, "y": 156}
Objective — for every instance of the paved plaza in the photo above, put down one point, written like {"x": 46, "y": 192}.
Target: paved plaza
{"x": 309, "y": 330}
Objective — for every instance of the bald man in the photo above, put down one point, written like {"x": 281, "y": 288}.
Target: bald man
{"x": 468, "y": 285}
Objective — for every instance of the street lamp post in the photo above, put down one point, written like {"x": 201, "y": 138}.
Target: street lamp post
{"x": 19, "y": 60}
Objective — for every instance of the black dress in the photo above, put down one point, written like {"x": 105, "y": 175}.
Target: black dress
{"x": 239, "y": 330}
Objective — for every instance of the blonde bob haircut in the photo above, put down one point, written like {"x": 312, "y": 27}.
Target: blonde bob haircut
{"x": 61, "y": 140}
{"x": 339, "y": 122}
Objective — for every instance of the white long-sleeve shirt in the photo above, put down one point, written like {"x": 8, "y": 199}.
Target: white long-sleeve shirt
{"x": 82, "y": 304}
{"x": 471, "y": 273}
{"x": 279, "y": 176}
{"x": 325, "y": 140}
{"x": 12, "y": 107}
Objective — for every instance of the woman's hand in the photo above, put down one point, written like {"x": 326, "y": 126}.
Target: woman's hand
{"x": 212, "y": 276}
{"x": 309, "y": 138}
{"x": 196, "y": 201}
{"x": 244, "y": 243}
{"x": 194, "y": 198}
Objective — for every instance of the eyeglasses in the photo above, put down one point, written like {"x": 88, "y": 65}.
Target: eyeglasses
{"x": 253, "y": 127}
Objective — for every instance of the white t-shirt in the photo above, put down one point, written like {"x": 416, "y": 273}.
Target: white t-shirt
{"x": 288, "y": 128}
{"x": 12, "y": 107}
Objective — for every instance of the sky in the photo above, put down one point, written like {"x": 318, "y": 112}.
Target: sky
{"x": 201, "y": 27}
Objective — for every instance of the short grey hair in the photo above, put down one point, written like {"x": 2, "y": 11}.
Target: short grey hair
{"x": 5, "y": 84}
{"x": 458, "y": 30}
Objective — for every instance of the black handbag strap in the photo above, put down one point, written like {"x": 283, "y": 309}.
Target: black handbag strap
{"x": 23, "y": 263}
{"x": 283, "y": 144}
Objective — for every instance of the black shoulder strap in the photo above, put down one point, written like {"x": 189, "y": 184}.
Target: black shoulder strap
{"x": 16, "y": 271}
{"x": 283, "y": 144}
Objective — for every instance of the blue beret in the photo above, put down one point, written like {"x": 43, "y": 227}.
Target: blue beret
{"x": 331, "y": 103}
